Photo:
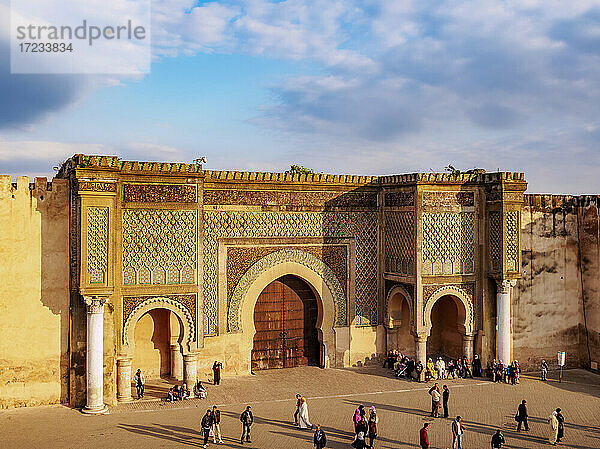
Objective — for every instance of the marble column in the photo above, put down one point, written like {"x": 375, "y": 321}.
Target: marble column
{"x": 503, "y": 332}
{"x": 468, "y": 346}
{"x": 421, "y": 350}
{"x": 392, "y": 338}
{"x": 124, "y": 379}
{"x": 176, "y": 361}
{"x": 189, "y": 376}
{"x": 94, "y": 361}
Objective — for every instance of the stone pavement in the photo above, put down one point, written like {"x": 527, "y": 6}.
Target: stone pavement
{"x": 333, "y": 395}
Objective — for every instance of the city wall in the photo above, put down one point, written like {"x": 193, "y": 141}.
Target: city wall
{"x": 558, "y": 294}
{"x": 34, "y": 291}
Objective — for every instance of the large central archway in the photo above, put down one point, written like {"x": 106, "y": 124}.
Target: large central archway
{"x": 285, "y": 319}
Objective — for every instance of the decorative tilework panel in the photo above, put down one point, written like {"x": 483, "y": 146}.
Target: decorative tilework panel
{"x": 361, "y": 226}
{"x": 97, "y": 244}
{"x": 495, "y": 248}
{"x": 287, "y": 255}
{"x": 164, "y": 239}
{"x": 512, "y": 241}
{"x": 448, "y": 243}
{"x": 399, "y": 199}
{"x": 399, "y": 242}
{"x": 295, "y": 198}
{"x": 159, "y": 193}
{"x": 448, "y": 199}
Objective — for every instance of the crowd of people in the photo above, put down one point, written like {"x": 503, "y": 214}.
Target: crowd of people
{"x": 365, "y": 423}
{"x": 453, "y": 368}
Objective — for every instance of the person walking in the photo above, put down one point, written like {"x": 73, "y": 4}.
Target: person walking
{"x": 522, "y": 416}
{"x": 247, "y": 419}
{"x": 457, "y": 433}
{"x": 297, "y": 409}
{"x": 445, "y": 396}
{"x": 435, "y": 400}
{"x": 554, "y": 427}
{"x": 372, "y": 426}
{"x": 424, "y": 436}
{"x": 319, "y": 438}
{"x": 497, "y": 440}
{"x": 216, "y": 424}
{"x": 217, "y": 367}
{"x": 206, "y": 424}
{"x": 561, "y": 425}
{"x": 303, "y": 421}
{"x": 544, "y": 370}
{"x": 140, "y": 381}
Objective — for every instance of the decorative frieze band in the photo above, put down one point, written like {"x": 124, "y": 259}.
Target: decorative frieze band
{"x": 96, "y": 186}
{"x": 159, "y": 193}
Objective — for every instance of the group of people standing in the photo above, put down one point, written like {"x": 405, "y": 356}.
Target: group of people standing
{"x": 365, "y": 428}
{"x": 499, "y": 372}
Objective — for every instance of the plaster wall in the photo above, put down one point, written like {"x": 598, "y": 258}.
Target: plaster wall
{"x": 560, "y": 272}
{"x": 34, "y": 292}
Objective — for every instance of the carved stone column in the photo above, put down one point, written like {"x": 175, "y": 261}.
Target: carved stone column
{"x": 468, "y": 346}
{"x": 421, "y": 350}
{"x": 124, "y": 379}
{"x": 189, "y": 376}
{"x": 503, "y": 333}
{"x": 94, "y": 360}
{"x": 176, "y": 361}
{"x": 392, "y": 338}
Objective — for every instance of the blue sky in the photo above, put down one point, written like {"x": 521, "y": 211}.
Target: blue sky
{"x": 369, "y": 87}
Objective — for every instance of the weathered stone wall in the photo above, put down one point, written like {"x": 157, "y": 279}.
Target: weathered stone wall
{"x": 560, "y": 282}
{"x": 34, "y": 292}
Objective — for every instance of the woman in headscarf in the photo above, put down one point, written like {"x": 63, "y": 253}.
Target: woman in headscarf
{"x": 554, "y": 427}
{"x": 303, "y": 421}
{"x": 372, "y": 426}
{"x": 358, "y": 414}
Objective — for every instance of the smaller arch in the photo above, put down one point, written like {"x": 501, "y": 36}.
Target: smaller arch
{"x": 463, "y": 302}
{"x": 388, "y": 305}
{"x": 184, "y": 315}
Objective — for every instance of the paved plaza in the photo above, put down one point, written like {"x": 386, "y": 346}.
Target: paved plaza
{"x": 333, "y": 395}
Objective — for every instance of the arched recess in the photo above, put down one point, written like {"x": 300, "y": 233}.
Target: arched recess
{"x": 389, "y": 313}
{"x": 463, "y": 303}
{"x": 325, "y": 300}
{"x": 400, "y": 322}
{"x": 184, "y": 315}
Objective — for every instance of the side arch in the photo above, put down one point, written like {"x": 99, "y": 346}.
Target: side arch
{"x": 464, "y": 303}
{"x": 306, "y": 266}
{"x": 399, "y": 289}
{"x": 184, "y": 315}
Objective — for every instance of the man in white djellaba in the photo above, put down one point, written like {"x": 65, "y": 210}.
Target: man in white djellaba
{"x": 303, "y": 421}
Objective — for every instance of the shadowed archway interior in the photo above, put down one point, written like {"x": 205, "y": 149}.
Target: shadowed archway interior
{"x": 155, "y": 332}
{"x": 285, "y": 318}
{"x": 445, "y": 339}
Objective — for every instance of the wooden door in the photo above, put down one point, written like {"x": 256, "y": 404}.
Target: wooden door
{"x": 285, "y": 319}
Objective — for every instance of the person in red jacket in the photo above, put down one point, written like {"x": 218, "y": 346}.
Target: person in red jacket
{"x": 424, "y": 436}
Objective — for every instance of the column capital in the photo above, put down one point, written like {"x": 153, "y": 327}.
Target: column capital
{"x": 95, "y": 303}
{"x": 504, "y": 285}
{"x": 421, "y": 337}
{"x": 124, "y": 361}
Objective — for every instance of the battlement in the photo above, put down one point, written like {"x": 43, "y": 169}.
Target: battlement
{"x": 40, "y": 188}
{"x": 467, "y": 177}
{"x": 547, "y": 202}
{"x": 115, "y": 163}
{"x": 221, "y": 175}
